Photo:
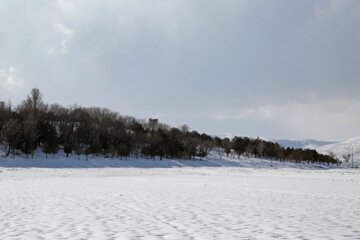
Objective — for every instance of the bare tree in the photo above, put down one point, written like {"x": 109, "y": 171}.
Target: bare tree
{"x": 34, "y": 100}
{"x": 259, "y": 147}
{"x": 346, "y": 157}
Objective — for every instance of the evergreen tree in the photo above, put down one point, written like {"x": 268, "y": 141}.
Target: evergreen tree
{"x": 101, "y": 131}
{"x": 122, "y": 150}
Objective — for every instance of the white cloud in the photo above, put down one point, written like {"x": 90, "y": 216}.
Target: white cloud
{"x": 60, "y": 28}
{"x": 322, "y": 119}
{"x": 9, "y": 79}
{"x": 327, "y": 119}
{"x": 338, "y": 7}
{"x": 261, "y": 111}
{"x": 50, "y": 50}
{"x": 66, "y": 33}
{"x": 65, "y": 5}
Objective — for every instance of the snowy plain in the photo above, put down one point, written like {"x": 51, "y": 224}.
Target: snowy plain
{"x": 46, "y": 198}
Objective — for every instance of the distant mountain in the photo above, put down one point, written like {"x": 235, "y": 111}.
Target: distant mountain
{"x": 304, "y": 144}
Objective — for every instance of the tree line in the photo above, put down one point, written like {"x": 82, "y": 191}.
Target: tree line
{"x": 98, "y": 131}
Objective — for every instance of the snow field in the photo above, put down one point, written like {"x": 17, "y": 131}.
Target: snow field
{"x": 179, "y": 203}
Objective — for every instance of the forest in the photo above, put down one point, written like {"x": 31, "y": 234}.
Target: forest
{"x": 92, "y": 131}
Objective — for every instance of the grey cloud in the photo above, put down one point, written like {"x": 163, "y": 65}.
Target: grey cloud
{"x": 195, "y": 59}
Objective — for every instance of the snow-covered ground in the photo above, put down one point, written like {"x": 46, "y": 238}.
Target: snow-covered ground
{"x": 152, "y": 199}
{"x": 213, "y": 160}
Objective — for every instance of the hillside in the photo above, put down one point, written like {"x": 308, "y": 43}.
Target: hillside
{"x": 336, "y": 148}
{"x": 350, "y": 146}
{"x": 34, "y": 124}
{"x": 213, "y": 160}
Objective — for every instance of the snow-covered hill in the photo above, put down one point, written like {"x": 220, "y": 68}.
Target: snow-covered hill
{"x": 340, "y": 149}
{"x": 336, "y": 148}
{"x": 304, "y": 144}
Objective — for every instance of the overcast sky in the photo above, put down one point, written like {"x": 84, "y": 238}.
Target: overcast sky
{"x": 279, "y": 68}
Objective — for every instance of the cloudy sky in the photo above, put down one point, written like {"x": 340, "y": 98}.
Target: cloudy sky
{"x": 280, "y": 68}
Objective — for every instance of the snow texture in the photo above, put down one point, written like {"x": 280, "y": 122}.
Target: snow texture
{"x": 210, "y": 199}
